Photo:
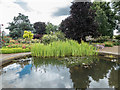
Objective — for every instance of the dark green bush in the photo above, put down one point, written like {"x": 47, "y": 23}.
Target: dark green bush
{"x": 108, "y": 44}
{"x": 117, "y": 37}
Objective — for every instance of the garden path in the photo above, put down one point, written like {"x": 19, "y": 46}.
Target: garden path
{"x": 111, "y": 50}
{"x": 9, "y": 57}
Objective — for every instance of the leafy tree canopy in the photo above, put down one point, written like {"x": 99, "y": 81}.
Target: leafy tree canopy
{"x": 39, "y": 27}
{"x": 105, "y": 18}
{"x": 19, "y": 25}
{"x": 81, "y": 22}
{"x": 51, "y": 28}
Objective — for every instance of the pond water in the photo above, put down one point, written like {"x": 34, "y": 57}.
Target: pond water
{"x": 51, "y": 73}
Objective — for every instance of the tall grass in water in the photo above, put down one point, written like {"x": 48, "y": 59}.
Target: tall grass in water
{"x": 62, "y": 49}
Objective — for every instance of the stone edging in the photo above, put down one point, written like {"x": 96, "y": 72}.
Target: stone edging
{"x": 13, "y": 57}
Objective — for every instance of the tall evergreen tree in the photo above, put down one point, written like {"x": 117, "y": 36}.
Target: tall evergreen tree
{"x": 19, "y": 25}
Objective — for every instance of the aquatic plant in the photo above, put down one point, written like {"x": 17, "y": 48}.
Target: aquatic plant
{"x": 79, "y": 61}
{"x": 63, "y": 49}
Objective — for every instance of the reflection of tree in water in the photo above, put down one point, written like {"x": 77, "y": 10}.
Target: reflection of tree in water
{"x": 38, "y": 62}
{"x": 22, "y": 64}
{"x": 100, "y": 70}
{"x": 80, "y": 76}
{"x": 113, "y": 78}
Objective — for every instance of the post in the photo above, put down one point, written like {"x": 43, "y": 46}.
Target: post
{"x": 1, "y": 36}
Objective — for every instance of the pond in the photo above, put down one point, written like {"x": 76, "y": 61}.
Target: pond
{"x": 51, "y": 73}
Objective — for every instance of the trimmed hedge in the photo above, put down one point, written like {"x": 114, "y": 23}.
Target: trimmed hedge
{"x": 13, "y": 50}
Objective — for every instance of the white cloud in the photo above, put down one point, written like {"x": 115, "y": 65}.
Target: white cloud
{"x": 40, "y": 10}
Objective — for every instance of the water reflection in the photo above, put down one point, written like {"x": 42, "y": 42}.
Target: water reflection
{"x": 102, "y": 75}
{"x": 25, "y": 70}
{"x": 51, "y": 73}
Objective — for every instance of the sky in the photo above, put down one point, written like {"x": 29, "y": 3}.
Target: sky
{"x": 53, "y": 11}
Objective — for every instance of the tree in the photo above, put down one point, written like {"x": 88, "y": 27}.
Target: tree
{"x": 19, "y": 25}
{"x": 104, "y": 17}
{"x": 116, "y": 7}
{"x": 81, "y": 22}
{"x": 39, "y": 27}
{"x": 51, "y": 28}
{"x": 105, "y": 6}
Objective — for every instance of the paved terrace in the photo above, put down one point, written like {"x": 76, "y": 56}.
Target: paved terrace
{"x": 115, "y": 50}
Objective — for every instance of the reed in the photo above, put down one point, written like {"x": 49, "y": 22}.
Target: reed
{"x": 63, "y": 49}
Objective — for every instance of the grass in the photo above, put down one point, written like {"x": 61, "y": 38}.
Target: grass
{"x": 63, "y": 49}
{"x": 13, "y": 50}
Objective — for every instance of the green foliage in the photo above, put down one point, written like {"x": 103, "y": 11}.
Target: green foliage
{"x": 60, "y": 35}
{"x": 53, "y": 36}
{"x": 105, "y": 18}
{"x": 62, "y": 49}
{"x": 117, "y": 37}
{"x": 51, "y": 28}
{"x": 39, "y": 27}
{"x": 116, "y": 7}
{"x": 28, "y": 35}
{"x": 79, "y": 61}
{"x": 13, "y": 50}
{"x": 46, "y": 61}
{"x": 46, "y": 39}
{"x": 19, "y": 25}
{"x": 108, "y": 44}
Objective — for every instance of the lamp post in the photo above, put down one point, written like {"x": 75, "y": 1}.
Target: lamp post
{"x": 1, "y": 36}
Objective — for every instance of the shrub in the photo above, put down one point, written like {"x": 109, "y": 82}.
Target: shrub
{"x": 28, "y": 35}
{"x": 37, "y": 36}
{"x": 117, "y": 37}
{"x": 14, "y": 50}
{"x": 50, "y": 28}
{"x": 101, "y": 39}
{"x": 54, "y": 36}
{"x": 108, "y": 44}
{"x": 116, "y": 42}
{"x": 35, "y": 40}
{"x": 62, "y": 49}
{"x": 46, "y": 39}
{"x": 60, "y": 35}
